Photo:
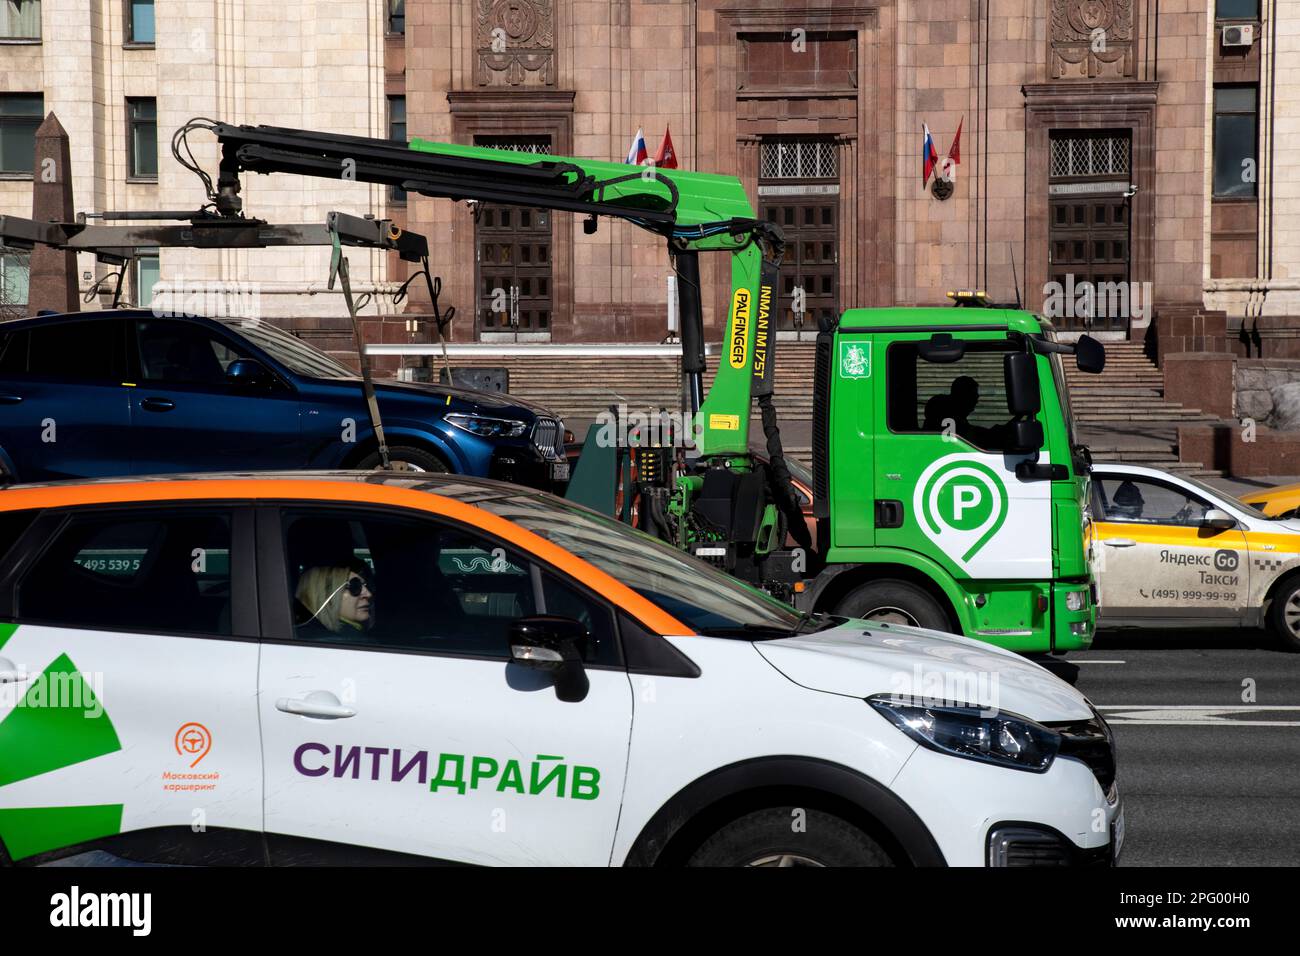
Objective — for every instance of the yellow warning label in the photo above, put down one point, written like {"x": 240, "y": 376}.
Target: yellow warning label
{"x": 725, "y": 423}
{"x": 739, "y": 341}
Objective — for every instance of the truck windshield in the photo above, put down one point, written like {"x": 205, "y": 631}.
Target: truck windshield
{"x": 1062, "y": 389}
{"x": 698, "y": 595}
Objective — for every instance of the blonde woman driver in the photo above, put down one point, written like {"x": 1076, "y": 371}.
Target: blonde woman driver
{"x": 333, "y": 603}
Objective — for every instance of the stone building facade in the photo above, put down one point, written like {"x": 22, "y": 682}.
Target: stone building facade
{"x": 1065, "y": 106}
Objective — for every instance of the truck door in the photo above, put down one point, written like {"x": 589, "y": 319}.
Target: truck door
{"x": 940, "y": 440}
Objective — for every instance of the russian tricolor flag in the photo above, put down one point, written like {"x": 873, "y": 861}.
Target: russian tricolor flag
{"x": 638, "y": 153}
{"x": 929, "y": 156}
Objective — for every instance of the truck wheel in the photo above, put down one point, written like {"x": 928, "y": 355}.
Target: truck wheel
{"x": 894, "y": 602}
{"x": 789, "y": 836}
{"x": 1284, "y": 614}
{"x": 406, "y": 458}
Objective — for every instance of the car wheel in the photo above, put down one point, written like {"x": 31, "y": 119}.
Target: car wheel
{"x": 789, "y": 836}
{"x": 1284, "y": 614}
{"x": 894, "y": 602}
{"x": 406, "y": 458}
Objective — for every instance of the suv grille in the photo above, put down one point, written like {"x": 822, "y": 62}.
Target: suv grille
{"x": 548, "y": 438}
{"x": 1091, "y": 742}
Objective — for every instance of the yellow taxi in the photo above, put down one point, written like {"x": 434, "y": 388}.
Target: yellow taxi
{"x": 1170, "y": 551}
{"x": 1280, "y": 502}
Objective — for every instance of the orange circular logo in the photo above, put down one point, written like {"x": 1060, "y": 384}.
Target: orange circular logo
{"x": 193, "y": 740}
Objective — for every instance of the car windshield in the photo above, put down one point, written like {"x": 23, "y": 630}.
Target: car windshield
{"x": 290, "y": 351}
{"x": 700, "y": 596}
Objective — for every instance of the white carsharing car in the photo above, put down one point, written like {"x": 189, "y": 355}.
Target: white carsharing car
{"x": 368, "y": 667}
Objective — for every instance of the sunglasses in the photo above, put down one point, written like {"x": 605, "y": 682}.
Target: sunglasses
{"x": 354, "y": 586}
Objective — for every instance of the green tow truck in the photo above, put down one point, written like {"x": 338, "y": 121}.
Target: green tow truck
{"x": 950, "y": 488}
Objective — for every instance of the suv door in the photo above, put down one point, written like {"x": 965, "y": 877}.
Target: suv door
{"x": 393, "y": 720}
{"x": 131, "y": 724}
{"x": 64, "y": 407}
{"x": 1157, "y": 562}
{"x": 187, "y": 416}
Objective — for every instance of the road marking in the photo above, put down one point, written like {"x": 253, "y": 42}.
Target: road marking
{"x": 1199, "y": 715}
{"x": 1098, "y": 662}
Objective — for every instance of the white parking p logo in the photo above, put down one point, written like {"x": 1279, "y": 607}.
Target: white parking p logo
{"x": 963, "y": 497}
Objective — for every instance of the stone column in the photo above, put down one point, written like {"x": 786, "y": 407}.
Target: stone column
{"x": 53, "y": 282}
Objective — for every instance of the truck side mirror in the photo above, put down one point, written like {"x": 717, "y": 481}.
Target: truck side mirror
{"x": 1025, "y": 436}
{"x": 1089, "y": 355}
{"x": 1020, "y": 371}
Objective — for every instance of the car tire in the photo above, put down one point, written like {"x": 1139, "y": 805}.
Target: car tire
{"x": 894, "y": 602}
{"x": 789, "y": 836}
{"x": 1286, "y": 599}
{"x": 406, "y": 458}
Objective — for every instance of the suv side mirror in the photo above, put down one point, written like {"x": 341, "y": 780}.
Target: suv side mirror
{"x": 248, "y": 373}
{"x": 1089, "y": 355}
{"x": 555, "y": 644}
{"x": 1220, "y": 519}
{"x": 1020, "y": 371}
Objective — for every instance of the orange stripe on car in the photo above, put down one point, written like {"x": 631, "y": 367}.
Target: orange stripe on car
{"x": 350, "y": 492}
{"x": 1191, "y": 538}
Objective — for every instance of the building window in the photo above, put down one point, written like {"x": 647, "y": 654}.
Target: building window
{"x": 146, "y": 276}
{"x": 20, "y": 19}
{"x": 1090, "y": 155}
{"x": 15, "y": 273}
{"x": 1236, "y": 9}
{"x": 397, "y": 133}
{"x": 139, "y": 22}
{"x": 20, "y": 115}
{"x": 396, "y": 17}
{"x": 142, "y": 138}
{"x": 798, "y": 159}
{"x": 1235, "y": 124}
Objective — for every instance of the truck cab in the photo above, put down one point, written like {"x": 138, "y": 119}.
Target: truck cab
{"x": 950, "y": 485}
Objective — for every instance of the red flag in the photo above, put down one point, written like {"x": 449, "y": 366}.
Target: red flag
{"x": 954, "y": 152}
{"x": 666, "y": 157}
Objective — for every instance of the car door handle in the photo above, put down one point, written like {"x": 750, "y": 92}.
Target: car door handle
{"x": 319, "y": 703}
{"x": 157, "y": 404}
{"x": 1119, "y": 543}
{"x": 10, "y": 399}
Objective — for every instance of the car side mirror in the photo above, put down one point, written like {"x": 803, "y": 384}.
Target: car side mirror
{"x": 1220, "y": 519}
{"x": 248, "y": 373}
{"x": 555, "y": 644}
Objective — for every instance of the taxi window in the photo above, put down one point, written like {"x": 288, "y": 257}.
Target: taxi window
{"x": 1139, "y": 501}
{"x": 423, "y": 586}
{"x": 143, "y": 571}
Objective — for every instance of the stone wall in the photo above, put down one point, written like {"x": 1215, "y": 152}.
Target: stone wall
{"x": 1255, "y": 379}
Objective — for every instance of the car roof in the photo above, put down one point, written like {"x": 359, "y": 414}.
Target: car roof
{"x": 258, "y": 484}
{"x": 1142, "y": 471}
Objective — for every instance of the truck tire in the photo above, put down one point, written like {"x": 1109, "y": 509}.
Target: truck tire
{"x": 406, "y": 458}
{"x": 1284, "y": 614}
{"x": 789, "y": 836}
{"x": 895, "y": 602}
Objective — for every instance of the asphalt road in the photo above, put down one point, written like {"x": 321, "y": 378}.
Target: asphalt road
{"x": 1209, "y": 777}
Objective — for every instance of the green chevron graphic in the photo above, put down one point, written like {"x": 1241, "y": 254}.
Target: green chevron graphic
{"x": 58, "y": 723}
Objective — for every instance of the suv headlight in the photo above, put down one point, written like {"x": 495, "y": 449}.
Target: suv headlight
{"x": 487, "y": 427}
{"x": 961, "y": 730}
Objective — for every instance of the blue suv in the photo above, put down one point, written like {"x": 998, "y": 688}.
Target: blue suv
{"x": 127, "y": 392}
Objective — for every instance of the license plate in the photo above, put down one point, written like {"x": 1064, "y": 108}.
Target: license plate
{"x": 559, "y": 471}
{"x": 1117, "y": 834}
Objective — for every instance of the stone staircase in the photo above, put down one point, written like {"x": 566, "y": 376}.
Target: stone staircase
{"x": 1122, "y": 414}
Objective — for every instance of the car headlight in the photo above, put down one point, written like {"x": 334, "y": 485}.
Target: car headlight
{"x": 487, "y": 427}
{"x": 1076, "y": 601}
{"x": 960, "y": 730}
